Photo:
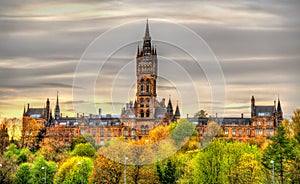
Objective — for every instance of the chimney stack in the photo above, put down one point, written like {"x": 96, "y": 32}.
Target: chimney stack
{"x": 242, "y": 115}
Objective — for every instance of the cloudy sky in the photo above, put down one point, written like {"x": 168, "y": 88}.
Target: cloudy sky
{"x": 43, "y": 45}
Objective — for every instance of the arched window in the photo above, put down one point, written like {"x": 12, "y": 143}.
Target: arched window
{"x": 147, "y": 113}
{"x": 142, "y": 113}
{"x": 142, "y": 102}
{"x": 147, "y": 85}
{"x": 147, "y": 102}
{"x": 142, "y": 85}
{"x": 142, "y": 129}
{"x": 132, "y": 132}
{"x": 146, "y": 129}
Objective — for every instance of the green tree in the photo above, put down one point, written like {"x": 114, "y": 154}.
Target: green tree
{"x": 181, "y": 132}
{"x": 221, "y": 161}
{"x": 86, "y": 150}
{"x": 23, "y": 174}
{"x": 280, "y": 150}
{"x": 75, "y": 170}
{"x": 42, "y": 170}
{"x": 82, "y": 139}
{"x": 166, "y": 174}
{"x": 201, "y": 114}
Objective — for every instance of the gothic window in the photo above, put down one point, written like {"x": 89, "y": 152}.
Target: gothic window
{"x": 143, "y": 129}
{"x": 132, "y": 132}
{"x": 142, "y": 102}
{"x": 146, "y": 129}
{"x": 125, "y": 132}
{"x": 147, "y": 113}
{"x": 226, "y": 131}
{"x": 147, "y": 85}
{"x": 240, "y": 132}
{"x": 258, "y": 123}
{"x": 233, "y": 132}
{"x": 248, "y": 132}
{"x": 147, "y": 102}
{"x": 101, "y": 132}
{"x": 142, "y": 85}
{"x": 142, "y": 113}
{"x": 200, "y": 131}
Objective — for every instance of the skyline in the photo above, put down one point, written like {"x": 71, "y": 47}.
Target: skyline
{"x": 255, "y": 42}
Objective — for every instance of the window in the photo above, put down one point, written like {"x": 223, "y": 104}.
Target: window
{"x": 233, "y": 132}
{"x": 200, "y": 131}
{"x": 142, "y": 85}
{"x": 125, "y": 132}
{"x": 94, "y": 132}
{"x": 101, "y": 132}
{"x": 147, "y": 113}
{"x": 258, "y": 131}
{"x": 142, "y": 129}
{"x": 132, "y": 132}
{"x": 147, "y": 102}
{"x": 142, "y": 113}
{"x": 142, "y": 102}
{"x": 82, "y": 131}
{"x": 102, "y": 142}
{"x": 226, "y": 131}
{"x": 248, "y": 131}
{"x": 108, "y": 133}
{"x": 240, "y": 132}
{"x": 147, "y": 85}
{"x": 269, "y": 131}
{"x": 258, "y": 123}
{"x": 146, "y": 129}
{"x": 270, "y": 123}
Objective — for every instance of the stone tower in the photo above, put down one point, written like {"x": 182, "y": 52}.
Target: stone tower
{"x": 146, "y": 73}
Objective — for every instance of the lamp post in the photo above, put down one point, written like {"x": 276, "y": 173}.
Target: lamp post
{"x": 79, "y": 163}
{"x": 45, "y": 178}
{"x": 273, "y": 176}
{"x": 126, "y": 158}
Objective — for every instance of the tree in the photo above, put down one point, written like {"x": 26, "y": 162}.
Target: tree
{"x": 166, "y": 174}
{"x": 296, "y": 121}
{"x": 280, "y": 150}
{"x": 84, "y": 150}
{"x": 7, "y": 170}
{"x": 109, "y": 164}
{"x": 23, "y": 174}
{"x": 42, "y": 171}
{"x": 75, "y": 170}
{"x": 221, "y": 161}
{"x": 107, "y": 171}
{"x": 82, "y": 139}
{"x": 182, "y": 131}
{"x": 201, "y": 114}
{"x": 4, "y": 139}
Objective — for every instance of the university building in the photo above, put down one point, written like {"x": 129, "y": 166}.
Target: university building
{"x": 146, "y": 112}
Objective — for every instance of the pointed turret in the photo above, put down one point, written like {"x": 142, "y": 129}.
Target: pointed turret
{"x": 279, "y": 110}
{"x": 170, "y": 108}
{"x": 57, "y": 109}
{"x": 177, "y": 113}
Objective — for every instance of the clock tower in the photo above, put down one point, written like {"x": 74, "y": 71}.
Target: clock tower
{"x": 146, "y": 73}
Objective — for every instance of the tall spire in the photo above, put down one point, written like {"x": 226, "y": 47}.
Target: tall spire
{"x": 147, "y": 32}
{"x": 57, "y": 109}
{"x": 177, "y": 112}
{"x": 279, "y": 110}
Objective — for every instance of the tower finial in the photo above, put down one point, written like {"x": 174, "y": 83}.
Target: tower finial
{"x": 147, "y": 32}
